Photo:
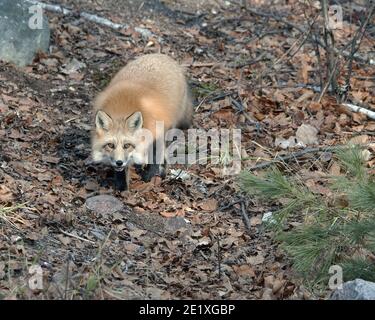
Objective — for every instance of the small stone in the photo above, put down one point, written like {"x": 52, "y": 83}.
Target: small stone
{"x": 104, "y": 204}
{"x": 176, "y": 223}
{"x": 91, "y": 185}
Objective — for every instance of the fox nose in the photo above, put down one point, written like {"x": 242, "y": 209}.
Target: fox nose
{"x": 119, "y": 163}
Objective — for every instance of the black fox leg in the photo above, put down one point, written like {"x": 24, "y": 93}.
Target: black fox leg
{"x": 157, "y": 168}
{"x": 152, "y": 170}
{"x": 122, "y": 180}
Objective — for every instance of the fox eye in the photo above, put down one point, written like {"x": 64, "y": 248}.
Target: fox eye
{"x": 127, "y": 145}
{"x": 110, "y": 146}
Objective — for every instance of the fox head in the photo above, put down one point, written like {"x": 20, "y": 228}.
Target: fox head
{"x": 118, "y": 142}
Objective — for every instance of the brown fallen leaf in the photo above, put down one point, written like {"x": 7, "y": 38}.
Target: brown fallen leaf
{"x": 208, "y": 205}
{"x": 57, "y": 181}
{"x": 137, "y": 233}
{"x": 370, "y": 126}
{"x": 131, "y": 248}
{"x": 359, "y": 117}
{"x": 168, "y": 214}
{"x": 255, "y": 260}
{"x": 361, "y": 139}
{"x": 244, "y": 270}
{"x": 33, "y": 236}
{"x": 224, "y": 114}
{"x": 50, "y": 159}
{"x": 6, "y": 194}
{"x": 44, "y": 176}
{"x": 255, "y": 221}
{"x": 269, "y": 281}
{"x": 335, "y": 169}
{"x": 64, "y": 240}
{"x": 314, "y": 107}
{"x": 307, "y": 134}
{"x": 277, "y": 285}
{"x": 15, "y": 134}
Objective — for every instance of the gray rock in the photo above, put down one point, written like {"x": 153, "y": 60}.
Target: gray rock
{"x": 175, "y": 223}
{"x": 22, "y": 34}
{"x": 357, "y": 289}
{"x": 104, "y": 204}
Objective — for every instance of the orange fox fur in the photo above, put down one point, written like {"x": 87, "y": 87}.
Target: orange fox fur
{"x": 148, "y": 89}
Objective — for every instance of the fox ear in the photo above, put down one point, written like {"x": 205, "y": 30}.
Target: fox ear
{"x": 103, "y": 121}
{"x": 135, "y": 121}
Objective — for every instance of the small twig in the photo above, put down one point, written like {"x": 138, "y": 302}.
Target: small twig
{"x": 250, "y": 62}
{"x": 200, "y": 65}
{"x": 332, "y": 72}
{"x": 245, "y": 217}
{"x": 229, "y": 205}
{"x": 293, "y": 155}
{"x": 67, "y": 278}
{"x": 211, "y": 97}
{"x": 218, "y": 256}
{"x": 75, "y": 236}
{"x": 319, "y": 59}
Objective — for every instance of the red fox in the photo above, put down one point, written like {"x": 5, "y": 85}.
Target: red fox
{"x": 148, "y": 89}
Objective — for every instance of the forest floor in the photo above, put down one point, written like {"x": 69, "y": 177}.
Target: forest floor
{"x": 192, "y": 237}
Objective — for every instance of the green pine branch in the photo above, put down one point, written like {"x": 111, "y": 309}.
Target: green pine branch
{"x": 335, "y": 234}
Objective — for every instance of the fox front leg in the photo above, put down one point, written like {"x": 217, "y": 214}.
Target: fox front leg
{"x": 152, "y": 170}
{"x": 122, "y": 180}
{"x": 156, "y": 168}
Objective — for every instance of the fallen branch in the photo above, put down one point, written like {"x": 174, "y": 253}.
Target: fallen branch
{"x": 354, "y": 108}
{"x": 93, "y": 18}
{"x": 199, "y": 65}
{"x": 212, "y": 97}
